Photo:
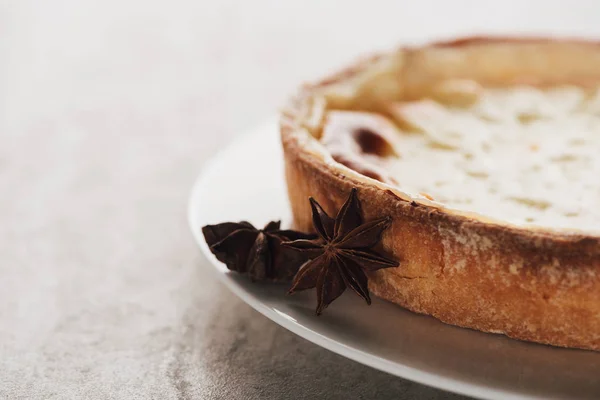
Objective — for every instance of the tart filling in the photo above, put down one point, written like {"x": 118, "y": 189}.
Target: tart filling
{"x": 525, "y": 155}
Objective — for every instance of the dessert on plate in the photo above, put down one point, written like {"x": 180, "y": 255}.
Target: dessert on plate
{"x": 484, "y": 155}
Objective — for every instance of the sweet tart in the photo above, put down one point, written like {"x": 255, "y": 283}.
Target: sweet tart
{"x": 484, "y": 155}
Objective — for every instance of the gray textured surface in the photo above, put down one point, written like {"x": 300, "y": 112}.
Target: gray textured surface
{"x": 108, "y": 110}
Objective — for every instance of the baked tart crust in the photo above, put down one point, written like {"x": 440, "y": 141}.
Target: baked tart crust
{"x": 535, "y": 283}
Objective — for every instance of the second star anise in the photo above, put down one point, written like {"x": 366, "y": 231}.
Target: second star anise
{"x": 341, "y": 254}
{"x": 255, "y": 252}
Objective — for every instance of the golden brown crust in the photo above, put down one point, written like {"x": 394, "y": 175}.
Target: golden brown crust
{"x": 487, "y": 40}
{"x": 536, "y": 285}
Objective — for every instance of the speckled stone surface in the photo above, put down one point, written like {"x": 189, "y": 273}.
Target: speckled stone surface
{"x": 108, "y": 111}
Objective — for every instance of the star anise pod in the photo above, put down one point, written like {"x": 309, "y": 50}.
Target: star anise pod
{"x": 341, "y": 254}
{"x": 256, "y": 252}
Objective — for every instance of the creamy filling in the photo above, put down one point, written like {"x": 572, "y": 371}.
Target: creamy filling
{"x": 524, "y": 155}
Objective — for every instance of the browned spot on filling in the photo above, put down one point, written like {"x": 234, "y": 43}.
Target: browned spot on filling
{"x": 361, "y": 142}
{"x": 527, "y": 118}
{"x": 532, "y": 203}
{"x": 372, "y": 143}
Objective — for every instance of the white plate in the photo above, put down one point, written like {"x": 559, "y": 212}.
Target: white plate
{"x": 246, "y": 182}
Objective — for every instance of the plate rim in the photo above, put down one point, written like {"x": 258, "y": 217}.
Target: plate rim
{"x": 360, "y": 356}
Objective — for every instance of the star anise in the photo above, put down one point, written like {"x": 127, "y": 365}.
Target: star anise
{"x": 341, "y": 254}
{"x": 256, "y": 252}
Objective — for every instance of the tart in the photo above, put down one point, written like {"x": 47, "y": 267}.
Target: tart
{"x": 484, "y": 154}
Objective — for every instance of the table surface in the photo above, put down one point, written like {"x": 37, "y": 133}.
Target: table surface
{"x": 108, "y": 111}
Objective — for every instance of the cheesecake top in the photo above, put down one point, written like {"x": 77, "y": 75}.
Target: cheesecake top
{"x": 521, "y": 154}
